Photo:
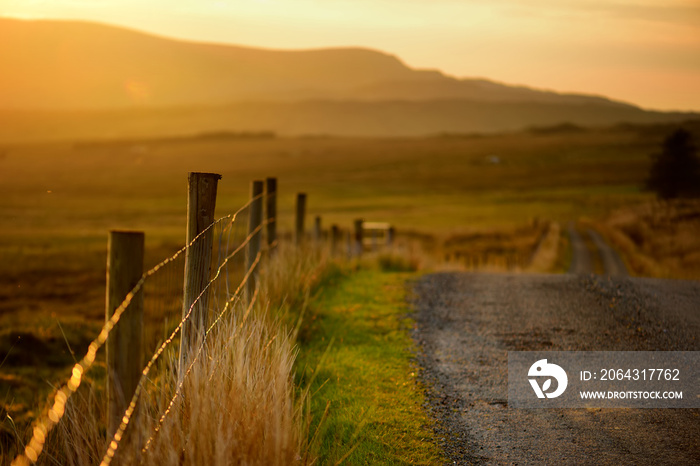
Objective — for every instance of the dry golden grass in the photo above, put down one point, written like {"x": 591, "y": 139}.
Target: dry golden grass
{"x": 497, "y": 249}
{"x": 238, "y": 403}
{"x": 657, "y": 239}
{"x": 537, "y": 246}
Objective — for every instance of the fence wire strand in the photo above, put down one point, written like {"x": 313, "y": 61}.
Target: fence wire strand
{"x": 48, "y": 421}
{"x": 228, "y": 305}
{"x": 118, "y": 435}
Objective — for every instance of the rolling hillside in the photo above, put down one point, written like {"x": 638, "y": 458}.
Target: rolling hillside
{"x": 116, "y": 77}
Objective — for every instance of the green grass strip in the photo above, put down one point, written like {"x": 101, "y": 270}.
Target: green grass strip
{"x": 357, "y": 352}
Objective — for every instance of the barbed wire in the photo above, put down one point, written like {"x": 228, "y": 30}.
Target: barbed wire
{"x": 118, "y": 435}
{"x": 228, "y": 305}
{"x": 54, "y": 414}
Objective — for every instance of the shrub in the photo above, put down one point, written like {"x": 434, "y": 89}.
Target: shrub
{"x": 675, "y": 172}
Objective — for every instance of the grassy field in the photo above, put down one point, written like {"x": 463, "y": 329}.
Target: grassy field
{"x": 58, "y": 201}
{"x": 440, "y": 184}
{"x": 465, "y": 200}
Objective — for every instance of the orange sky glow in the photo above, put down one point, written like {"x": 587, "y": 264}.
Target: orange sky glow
{"x": 640, "y": 51}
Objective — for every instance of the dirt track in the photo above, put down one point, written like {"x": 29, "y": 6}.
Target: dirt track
{"x": 581, "y": 260}
{"x": 467, "y": 322}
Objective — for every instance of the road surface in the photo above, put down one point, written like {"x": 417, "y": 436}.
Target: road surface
{"x": 467, "y": 322}
{"x": 581, "y": 260}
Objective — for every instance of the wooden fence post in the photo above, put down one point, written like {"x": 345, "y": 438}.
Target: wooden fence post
{"x": 391, "y": 232}
{"x": 334, "y": 239}
{"x": 253, "y": 247}
{"x": 125, "y": 341}
{"x": 271, "y": 212}
{"x": 317, "y": 229}
{"x": 201, "y": 202}
{"x": 300, "y": 215}
{"x": 358, "y": 237}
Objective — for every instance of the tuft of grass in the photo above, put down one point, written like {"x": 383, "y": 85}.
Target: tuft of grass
{"x": 238, "y": 405}
{"x": 356, "y": 354}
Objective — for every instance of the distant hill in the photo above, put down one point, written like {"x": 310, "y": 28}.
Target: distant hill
{"x": 67, "y": 66}
{"x": 398, "y": 118}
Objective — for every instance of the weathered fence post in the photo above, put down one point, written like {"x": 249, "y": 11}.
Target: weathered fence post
{"x": 300, "y": 215}
{"x": 125, "y": 341}
{"x": 358, "y": 237}
{"x": 271, "y": 212}
{"x": 254, "y": 232}
{"x": 201, "y": 202}
{"x": 391, "y": 232}
{"x": 334, "y": 239}
{"x": 317, "y": 229}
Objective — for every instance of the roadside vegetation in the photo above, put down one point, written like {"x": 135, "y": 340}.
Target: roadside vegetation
{"x": 238, "y": 402}
{"x": 657, "y": 239}
{"x": 357, "y": 355}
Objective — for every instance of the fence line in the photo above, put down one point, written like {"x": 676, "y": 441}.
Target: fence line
{"x": 107, "y": 459}
{"x": 247, "y": 285}
{"x": 56, "y": 412}
{"x": 132, "y": 405}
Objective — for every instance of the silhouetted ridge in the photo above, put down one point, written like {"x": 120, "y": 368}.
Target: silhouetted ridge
{"x": 69, "y": 64}
{"x": 61, "y": 79}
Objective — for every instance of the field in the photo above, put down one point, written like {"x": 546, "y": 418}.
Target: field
{"x": 59, "y": 200}
{"x": 458, "y": 196}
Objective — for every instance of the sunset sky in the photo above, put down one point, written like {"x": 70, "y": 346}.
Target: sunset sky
{"x": 645, "y": 52}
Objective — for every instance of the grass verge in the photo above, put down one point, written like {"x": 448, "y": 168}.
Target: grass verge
{"x": 356, "y": 357}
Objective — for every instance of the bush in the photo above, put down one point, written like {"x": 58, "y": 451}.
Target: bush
{"x": 675, "y": 172}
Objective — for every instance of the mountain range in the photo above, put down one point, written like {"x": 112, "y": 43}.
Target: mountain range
{"x": 64, "y": 67}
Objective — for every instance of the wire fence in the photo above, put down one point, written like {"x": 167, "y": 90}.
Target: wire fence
{"x": 189, "y": 362}
{"x": 187, "y": 295}
{"x": 162, "y": 286}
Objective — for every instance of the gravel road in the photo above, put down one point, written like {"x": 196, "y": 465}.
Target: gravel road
{"x": 612, "y": 263}
{"x": 467, "y": 322}
{"x": 580, "y": 257}
{"x": 581, "y": 262}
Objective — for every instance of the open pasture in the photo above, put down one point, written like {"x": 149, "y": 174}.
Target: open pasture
{"x": 58, "y": 200}
{"x": 76, "y": 191}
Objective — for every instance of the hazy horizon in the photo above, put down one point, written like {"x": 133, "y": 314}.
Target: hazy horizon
{"x": 633, "y": 51}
